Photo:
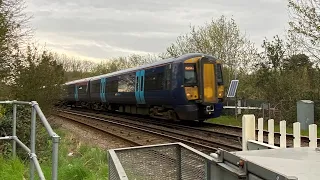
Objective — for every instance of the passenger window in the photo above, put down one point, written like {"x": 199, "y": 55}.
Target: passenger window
{"x": 112, "y": 86}
{"x": 82, "y": 89}
{"x": 126, "y": 83}
{"x": 154, "y": 81}
{"x": 168, "y": 77}
{"x": 95, "y": 87}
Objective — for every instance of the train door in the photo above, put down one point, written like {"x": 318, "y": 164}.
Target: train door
{"x": 139, "y": 87}
{"x": 103, "y": 90}
{"x": 208, "y": 81}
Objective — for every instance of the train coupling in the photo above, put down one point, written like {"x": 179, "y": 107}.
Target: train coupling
{"x": 209, "y": 109}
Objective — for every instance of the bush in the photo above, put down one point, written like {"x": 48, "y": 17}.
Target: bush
{"x": 23, "y": 131}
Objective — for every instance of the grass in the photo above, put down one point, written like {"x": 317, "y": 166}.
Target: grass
{"x": 232, "y": 121}
{"x": 86, "y": 163}
{"x": 12, "y": 169}
{"x": 227, "y": 120}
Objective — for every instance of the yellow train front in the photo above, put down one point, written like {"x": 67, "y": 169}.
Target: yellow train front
{"x": 200, "y": 92}
{"x": 189, "y": 87}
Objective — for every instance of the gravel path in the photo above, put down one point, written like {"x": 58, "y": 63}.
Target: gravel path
{"x": 88, "y": 135}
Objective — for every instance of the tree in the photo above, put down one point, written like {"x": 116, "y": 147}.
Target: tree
{"x": 75, "y": 68}
{"x": 306, "y": 23}
{"x": 296, "y": 62}
{"x": 38, "y": 77}
{"x": 283, "y": 78}
{"x": 14, "y": 31}
{"x": 220, "y": 38}
{"x": 273, "y": 54}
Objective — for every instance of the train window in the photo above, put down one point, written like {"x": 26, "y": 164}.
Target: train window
{"x": 190, "y": 75}
{"x": 154, "y": 81}
{"x": 71, "y": 89}
{"x": 95, "y": 87}
{"x": 168, "y": 77}
{"x": 219, "y": 74}
{"x": 131, "y": 82}
{"x": 126, "y": 83}
{"x": 82, "y": 89}
{"x": 112, "y": 86}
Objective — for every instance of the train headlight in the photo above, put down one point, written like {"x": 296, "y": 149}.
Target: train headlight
{"x": 191, "y": 93}
{"x": 220, "y": 91}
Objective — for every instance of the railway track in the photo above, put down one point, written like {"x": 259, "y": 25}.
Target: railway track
{"x": 208, "y": 129}
{"x": 137, "y": 132}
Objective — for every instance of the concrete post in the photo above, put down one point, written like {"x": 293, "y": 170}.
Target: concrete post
{"x": 248, "y": 130}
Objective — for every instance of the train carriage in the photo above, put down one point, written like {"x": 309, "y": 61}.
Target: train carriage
{"x": 189, "y": 87}
{"x": 77, "y": 92}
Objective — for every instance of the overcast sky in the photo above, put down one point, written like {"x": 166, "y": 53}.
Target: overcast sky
{"x": 100, "y": 29}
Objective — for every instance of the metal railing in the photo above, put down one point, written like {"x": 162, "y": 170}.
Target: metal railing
{"x": 164, "y": 161}
{"x": 176, "y": 161}
{"x": 34, "y": 163}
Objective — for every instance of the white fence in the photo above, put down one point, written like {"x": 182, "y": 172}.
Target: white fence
{"x": 249, "y": 141}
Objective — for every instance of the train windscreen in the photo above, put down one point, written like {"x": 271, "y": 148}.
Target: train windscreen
{"x": 190, "y": 75}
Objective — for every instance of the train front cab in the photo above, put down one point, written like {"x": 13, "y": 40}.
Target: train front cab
{"x": 204, "y": 89}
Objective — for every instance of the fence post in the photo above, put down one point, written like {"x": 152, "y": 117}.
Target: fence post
{"x": 283, "y": 135}
{"x": 296, "y": 134}
{"x": 313, "y": 135}
{"x": 33, "y": 138}
{"x": 271, "y": 132}
{"x": 260, "y": 128}
{"x": 248, "y": 130}
{"x": 14, "y": 128}
{"x": 55, "y": 148}
{"x": 55, "y": 141}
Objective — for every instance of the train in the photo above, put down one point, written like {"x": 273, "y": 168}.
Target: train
{"x": 185, "y": 88}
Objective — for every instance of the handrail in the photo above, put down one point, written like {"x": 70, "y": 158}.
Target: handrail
{"x": 34, "y": 163}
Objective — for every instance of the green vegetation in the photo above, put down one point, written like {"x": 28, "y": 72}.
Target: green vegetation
{"x": 87, "y": 162}
{"x": 305, "y": 25}
{"x": 227, "y": 120}
{"x": 12, "y": 169}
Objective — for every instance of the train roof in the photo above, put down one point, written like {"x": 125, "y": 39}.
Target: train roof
{"x": 78, "y": 81}
{"x": 164, "y": 61}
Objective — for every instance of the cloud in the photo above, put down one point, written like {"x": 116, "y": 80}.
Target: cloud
{"x": 102, "y": 29}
